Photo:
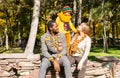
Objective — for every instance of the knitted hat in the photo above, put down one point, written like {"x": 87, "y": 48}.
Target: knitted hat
{"x": 66, "y": 9}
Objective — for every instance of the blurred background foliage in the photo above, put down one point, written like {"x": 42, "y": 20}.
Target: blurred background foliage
{"x": 16, "y": 17}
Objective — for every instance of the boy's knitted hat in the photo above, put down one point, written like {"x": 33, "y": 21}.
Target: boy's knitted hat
{"x": 66, "y": 9}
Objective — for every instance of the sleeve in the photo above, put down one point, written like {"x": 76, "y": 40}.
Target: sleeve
{"x": 87, "y": 50}
{"x": 72, "y": 27}
{"x": 88, "y": 46}
{"x": 44, "y": 48}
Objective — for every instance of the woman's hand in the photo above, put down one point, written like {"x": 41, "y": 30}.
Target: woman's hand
{"x": 80, "y": 65}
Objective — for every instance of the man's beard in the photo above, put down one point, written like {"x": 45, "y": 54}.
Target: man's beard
{"x": 55, "y": 32}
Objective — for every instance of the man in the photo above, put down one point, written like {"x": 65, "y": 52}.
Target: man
{"x": 54, "y": 51}
{"x": 65, "y": 25}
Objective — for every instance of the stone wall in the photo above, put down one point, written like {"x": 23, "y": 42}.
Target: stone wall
{"x": 19, "y": 65}
{"x": 27, "y": 66}
{"x": 94, "y": 69}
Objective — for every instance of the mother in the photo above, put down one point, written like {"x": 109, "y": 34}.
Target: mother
{"x": 80, "y": 48}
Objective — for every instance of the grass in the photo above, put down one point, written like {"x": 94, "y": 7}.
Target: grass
{"x": 98, "y": 51}
{"x": 17, "y": 50}
{"x": 95, "y": 51}
{"x": 11, "y": 50}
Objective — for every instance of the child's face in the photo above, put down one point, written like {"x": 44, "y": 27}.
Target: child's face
{"x": 67, "y": 13}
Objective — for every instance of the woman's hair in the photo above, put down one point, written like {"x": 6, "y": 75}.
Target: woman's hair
{"x": 86, "y": 28}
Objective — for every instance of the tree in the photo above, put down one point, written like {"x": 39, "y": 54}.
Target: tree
{"x": 33, "y": 31}
{"x": 74, "y": 10}
{"x": 80, "y": 12}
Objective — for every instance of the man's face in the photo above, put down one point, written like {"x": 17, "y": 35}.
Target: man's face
{"x": 55, "y": 28}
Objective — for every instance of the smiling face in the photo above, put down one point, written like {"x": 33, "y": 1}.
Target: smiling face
{"x": 67, "y": 13}
{"x": 54, "y": 28}
{"x": 84, "y": 28}
{"x": 80, "y": 28}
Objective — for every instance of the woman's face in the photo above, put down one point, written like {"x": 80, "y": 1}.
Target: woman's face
{"x": 80, "y": 27}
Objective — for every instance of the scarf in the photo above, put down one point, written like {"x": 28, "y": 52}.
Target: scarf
{"x": 74, "y": 46}
{"x": 64, "y": 18}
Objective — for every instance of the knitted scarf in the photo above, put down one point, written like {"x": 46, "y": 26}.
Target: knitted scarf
{"x": 74, "y": 46}
{"x": 64, "y": 18}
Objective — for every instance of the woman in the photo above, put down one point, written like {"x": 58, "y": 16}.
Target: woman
{"x": 80, "y": 48}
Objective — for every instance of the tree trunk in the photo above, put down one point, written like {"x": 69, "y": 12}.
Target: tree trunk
{"x": 6, "y": 35}
{"x": 19, "y": 35}
{"x": 117, "y": 35}
{"x": 34, "y": 25}
{"x": 80, "y": 12}
{"x": 1, "y": 41}
{"x": 108, "y": 34}
{"x": 90, "y": 14}
{"x": 105, "y": 45}
{"x": 6, "y": 39}
{"x": 113, "y": 35}
{"x": 74, "y": 11}
{"x": 94, "y": 34}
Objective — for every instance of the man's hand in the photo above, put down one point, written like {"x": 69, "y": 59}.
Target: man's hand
{"x": 56, "y": 65}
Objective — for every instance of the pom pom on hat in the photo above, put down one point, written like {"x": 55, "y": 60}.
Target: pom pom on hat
{"x": 66, "y": 9}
